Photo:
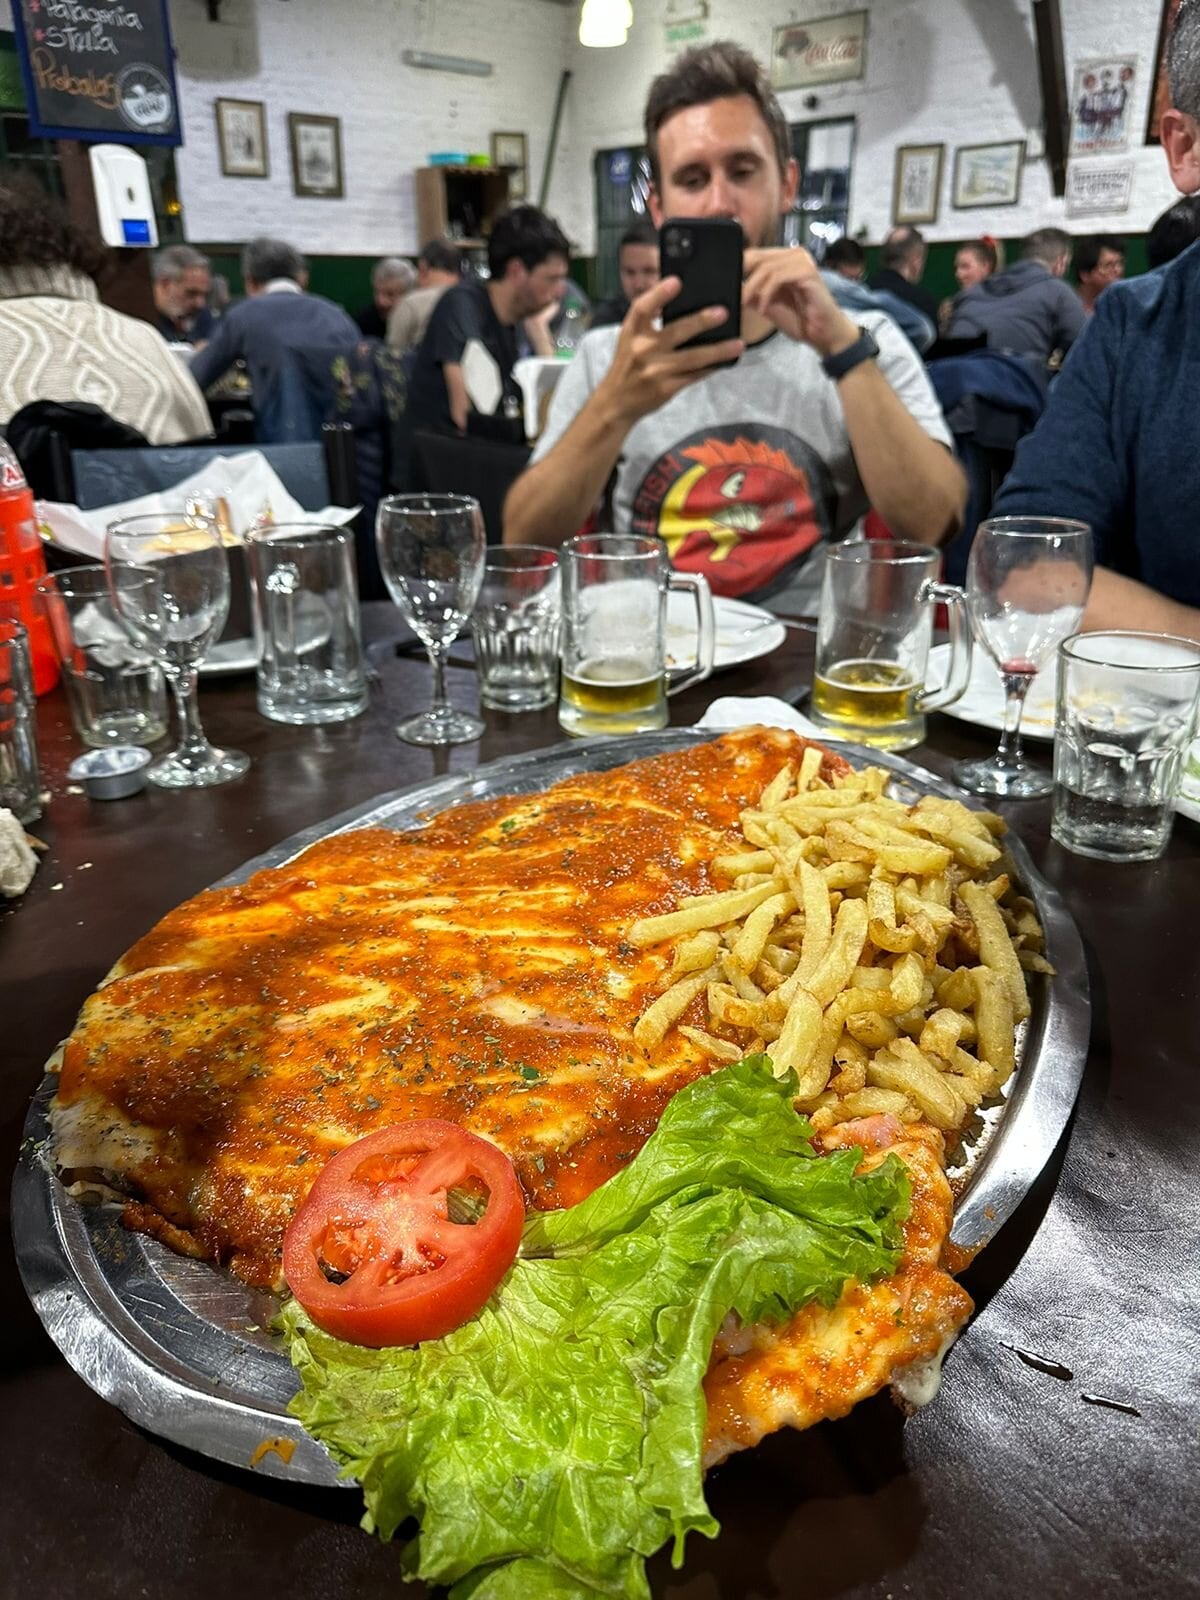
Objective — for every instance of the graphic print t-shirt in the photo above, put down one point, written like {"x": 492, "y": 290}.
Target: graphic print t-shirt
{"x": 746, "y": 472}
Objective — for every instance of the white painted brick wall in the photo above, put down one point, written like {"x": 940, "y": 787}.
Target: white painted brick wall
{"x": 342, "y": 58}
{"x": 938, "y": 71}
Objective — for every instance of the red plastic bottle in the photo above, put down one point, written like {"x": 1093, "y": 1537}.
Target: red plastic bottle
{"x": 22, "y": 563}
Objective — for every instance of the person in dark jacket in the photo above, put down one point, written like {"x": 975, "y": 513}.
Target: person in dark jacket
{"x": 901, "y": 268}
{"x": 1026, "y": 310}
{"x": 391, "y": 280}
{"x": 1115, "y": 446}
{"x": 288, "y": 340}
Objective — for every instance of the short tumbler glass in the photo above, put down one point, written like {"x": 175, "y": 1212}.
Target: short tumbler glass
{"x": 1127, "y": 706}
{"x": 20, "y": 779}
{"x": 115, "y": 688}
{"x": 517, "y": 623}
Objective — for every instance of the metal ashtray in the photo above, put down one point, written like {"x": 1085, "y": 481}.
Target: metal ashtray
{"x": 112, "y": 773}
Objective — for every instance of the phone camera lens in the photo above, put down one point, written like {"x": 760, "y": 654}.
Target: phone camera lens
{"x": 678, "y": 242}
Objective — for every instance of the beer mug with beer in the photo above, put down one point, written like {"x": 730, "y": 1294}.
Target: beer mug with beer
{"x": 874, "y": 629}
{"x": 615, "y": 673}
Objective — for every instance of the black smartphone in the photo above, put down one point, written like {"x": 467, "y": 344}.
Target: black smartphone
{"x": 705, "y": 254}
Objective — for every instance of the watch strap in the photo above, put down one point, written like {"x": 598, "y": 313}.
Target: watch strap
{"x": 863, "y": 349}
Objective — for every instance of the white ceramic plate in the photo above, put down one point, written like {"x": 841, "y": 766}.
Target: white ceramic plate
{"x": 229, "y": 657}
{"x": 744, "y": 632}
{"x": 983, "y": 702}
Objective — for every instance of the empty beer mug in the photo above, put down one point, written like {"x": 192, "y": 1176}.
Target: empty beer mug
{"x": 310, "y": 666}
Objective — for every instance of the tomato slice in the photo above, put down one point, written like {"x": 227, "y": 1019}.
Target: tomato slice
{"x": 373, "y": 1254}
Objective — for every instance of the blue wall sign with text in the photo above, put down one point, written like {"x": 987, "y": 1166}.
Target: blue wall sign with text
{"x": 98, "y": 71}
{"x": 620, "y": 167}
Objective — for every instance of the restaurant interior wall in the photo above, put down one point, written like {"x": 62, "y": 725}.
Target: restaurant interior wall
{"x": 344, "y": 60}
{"x": 937, "y": 71}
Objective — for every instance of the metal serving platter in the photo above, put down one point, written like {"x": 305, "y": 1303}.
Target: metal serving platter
{"x": 186, "y": 1351}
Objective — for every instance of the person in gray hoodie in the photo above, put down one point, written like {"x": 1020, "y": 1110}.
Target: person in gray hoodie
{"x": 1026, "y": 310}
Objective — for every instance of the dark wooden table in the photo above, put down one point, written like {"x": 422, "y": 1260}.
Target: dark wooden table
{"x": 1009, "y": 1484}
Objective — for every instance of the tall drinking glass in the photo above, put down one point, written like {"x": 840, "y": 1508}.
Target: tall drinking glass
{"x": 176, "y": 615}
{"x": 1027, "y": 586}
{"x": 431, "y": 554}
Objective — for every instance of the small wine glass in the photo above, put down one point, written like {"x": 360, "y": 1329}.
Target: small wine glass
{"x": 169, "y": 580}
{"x": 1027, "y": 586}
{"x": 431, "y": 553}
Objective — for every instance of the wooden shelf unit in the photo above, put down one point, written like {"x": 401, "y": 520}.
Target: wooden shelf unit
{"x": 460, "y": 203}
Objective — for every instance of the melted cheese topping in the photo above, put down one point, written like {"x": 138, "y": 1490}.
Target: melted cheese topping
{"x": 475, "y": 969}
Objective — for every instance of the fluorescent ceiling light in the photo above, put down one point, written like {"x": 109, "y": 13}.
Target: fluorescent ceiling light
{"x": 436, "y": 63}
{"x": 604, "y": 24}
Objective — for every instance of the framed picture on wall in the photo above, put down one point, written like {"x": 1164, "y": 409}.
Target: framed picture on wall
{"x": 242, "y": 138}
{"x": 511, "y": 151}
{"x": 1160, "y": 95}
{"x": 316, "y": 156}
{"x": 918, "y": 182}
{"x": 988, "y": 174}
{"x": 821, "y": 50}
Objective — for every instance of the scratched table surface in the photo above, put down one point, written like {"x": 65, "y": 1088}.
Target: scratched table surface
{"x": 1060, "y": 1457}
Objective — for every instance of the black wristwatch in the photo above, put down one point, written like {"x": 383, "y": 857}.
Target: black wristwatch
{"x": 863, "y": 349}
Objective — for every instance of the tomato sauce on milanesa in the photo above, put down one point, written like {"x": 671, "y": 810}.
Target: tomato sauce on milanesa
{"x": 474, "y": 970}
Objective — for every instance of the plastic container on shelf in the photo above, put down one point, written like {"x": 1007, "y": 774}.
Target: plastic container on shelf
{"x": 22, "y": 566}
{"x": 448, "y": 158}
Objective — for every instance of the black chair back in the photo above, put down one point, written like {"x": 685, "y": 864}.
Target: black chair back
{"x": 482, "y": 468}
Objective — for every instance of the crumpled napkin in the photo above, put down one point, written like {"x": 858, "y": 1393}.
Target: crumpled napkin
{"x": 733, "y": 711}
{"x": 18, "y": 863}
{"x": 247, "y": 482}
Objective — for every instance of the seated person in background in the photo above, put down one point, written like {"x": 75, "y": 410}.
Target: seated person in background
{"x": 637, "y": 264}
{"x": 741, "y": 470}
{"x": 439, "y": 267}
{"x": 182, "y": 282}
{"x": 847, "y": 258}
{"x": 854, "y": 296}
{"x": 1116, "y": 444}
{"x": 974, "y": 261}
{"x": 1026, "y": 310}
{"x": 1099, "y": 261}
{"x": 1172, "y": 233}
{"x": 57, "y": 342}
{"x": 287, "y": 338}
{"x": 901, "y": 268}
{"x": 527, "y": 259}
{"x": 391, "y": 280}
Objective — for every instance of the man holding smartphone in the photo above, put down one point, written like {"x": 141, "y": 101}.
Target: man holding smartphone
{"x": 741, "y": 469}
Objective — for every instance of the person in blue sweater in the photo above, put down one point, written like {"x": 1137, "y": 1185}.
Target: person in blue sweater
{"x": 1116, "y": 445}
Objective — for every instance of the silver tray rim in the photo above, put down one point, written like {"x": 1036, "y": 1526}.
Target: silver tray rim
{"x": 130, "y": 1316}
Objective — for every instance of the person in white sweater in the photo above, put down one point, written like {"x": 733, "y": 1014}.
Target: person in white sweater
{"x": 57, "y": 342}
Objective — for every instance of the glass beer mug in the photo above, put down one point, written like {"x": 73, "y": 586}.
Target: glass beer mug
{"x": 873, "y": 636}
{"x": 615, "y": 677}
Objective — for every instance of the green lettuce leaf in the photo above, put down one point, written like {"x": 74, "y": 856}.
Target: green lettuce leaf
{"x": 551, "y": 1444}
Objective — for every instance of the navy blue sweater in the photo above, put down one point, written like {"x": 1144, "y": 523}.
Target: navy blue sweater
{"x": 1117, "y": 443}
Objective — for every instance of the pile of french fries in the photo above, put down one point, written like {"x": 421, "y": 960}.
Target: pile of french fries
{"x": 876, "y": 949}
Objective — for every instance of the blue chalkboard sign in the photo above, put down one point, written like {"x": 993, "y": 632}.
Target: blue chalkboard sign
{"x": 98, "y": 71}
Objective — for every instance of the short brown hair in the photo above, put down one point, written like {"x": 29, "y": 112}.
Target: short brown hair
{"x": 710, "y": 72}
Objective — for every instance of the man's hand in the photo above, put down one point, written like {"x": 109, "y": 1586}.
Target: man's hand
{"x": 786, "y": 287}
{"x": 537, "y": 330}
{"x": 648, "y": 367}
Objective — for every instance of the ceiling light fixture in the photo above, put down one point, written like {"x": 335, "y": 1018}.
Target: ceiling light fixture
{"x": 605, "y": 24}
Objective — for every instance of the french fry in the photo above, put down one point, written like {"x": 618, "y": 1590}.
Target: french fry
{"x": 995, "y": 946}
{"x": 741, "y": 982}
{"x": 836, "y": 967}
{"x": 922, "y": 1083}
{"x": 797, "y": 1041}
{"x": 739, "y": 862}
{"x": 719, "y": 1049}
{"x": 810, "y": 768}
{"x": 756, "y": 930}
{"x": 693, "y": 954}
{"x": 778, "y": 788}
{"x": 651, "y": 1027}
{"x": 994, "y": 1017}
{"x": 702, "y": 911}
{"x": 881, "y": 914}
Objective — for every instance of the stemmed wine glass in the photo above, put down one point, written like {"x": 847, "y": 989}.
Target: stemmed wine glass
{"x": 1027, "y": 585}
{"x": 431, "y": 554}
{"x": 169, "y": 579}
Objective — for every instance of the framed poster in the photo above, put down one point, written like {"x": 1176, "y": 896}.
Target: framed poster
{"x": 1160, "y": 94}
{"x": 242, "y": 138}
{"x": 316, "y": 156}
{"x": 1094, "y": 190}
{"x": 1100, "y": 106}
{"x": 987, "y": 174}
{"x": 511, "y": 151}
{"x": 826, "y": 50}
{"x": 918, "y": 182}
{"x": 121, "y": 88}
